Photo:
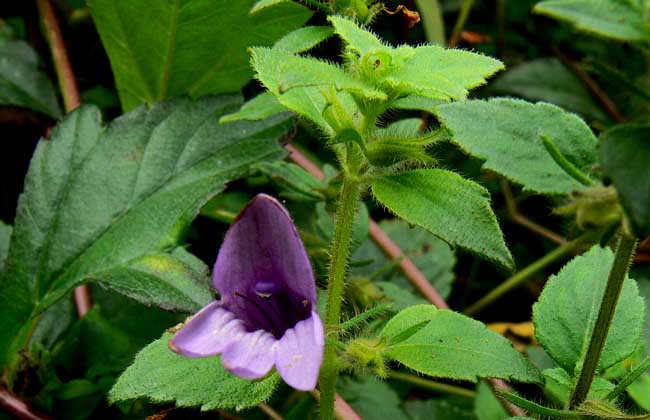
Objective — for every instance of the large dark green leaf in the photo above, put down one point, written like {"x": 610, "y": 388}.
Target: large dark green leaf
{"x": 622, "y": 20}
{"x": 372, "y": 399}
{"x": 455, "y": 209}
{"x": 486, "y": 405}
{"x": 5, "y": 236}
{"x": 161, "y": 376}
{"x": 446, "y": 408}
{"x": 192, "y": 47}
{"x": 567, "y": 309}
{"x": 22, "y": 83}
{"x": 506, "y": 133}
{"x": 110, "y": 204}
{"x": 446, "y": 344}
{"x": 548, "y": 80}
{"x": 625, "y": 154}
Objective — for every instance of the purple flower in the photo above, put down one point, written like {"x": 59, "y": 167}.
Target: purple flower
{"x": 266, "y": 315}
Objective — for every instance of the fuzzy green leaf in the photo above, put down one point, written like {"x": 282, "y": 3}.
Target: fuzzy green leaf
{"x": 506, "y": 134}
{"x": 159, "y": 279}
{"x": 644, "y": 290}
{"x": 446, "y": 344}
{"x": 260, "y": 107}
{"x": 442, "y": 73}
{"x": 567, "y": 309}
{"x": 22, "y": 83}
{"x": 357, "y": 39}
{"x": 625, "y": 153}
{"x": 309, "y": 101}
{"x": 429, "y": 71}
{"x": 111, "y": 204}
{"x": 303, "y": 39}
{"x": 186, "y": 47}
{"x": 417, "y": 103}
{"x": 452, "y": 208}
{"x": 617, "y": 19}
{"x": 162, "y": 376}
{"x": 280, "y": 72}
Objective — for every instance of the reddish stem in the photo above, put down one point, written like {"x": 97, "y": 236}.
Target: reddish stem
{"x": 510, "y": 407}
{"x": 605, "y": 101}
{"x": 71, "y": 100}
{"x": 52, "y": 32}
{"x": 19, "y": 408}
{"x": 412, "y": 273}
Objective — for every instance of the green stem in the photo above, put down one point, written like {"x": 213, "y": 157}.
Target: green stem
{"x": 434, "y": 25}
{"x": 348, "y": 200}
{"x": 629, "y": 378}
{"x": 460, "y": 22}
{"x": 432, "y": 385}
{"x": 523, "y": 275}
{"x": 533, "y": 407}
{"x": 617, "y": 275}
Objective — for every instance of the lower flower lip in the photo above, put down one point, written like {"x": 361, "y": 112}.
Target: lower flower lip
{"x": 297, "y": 355}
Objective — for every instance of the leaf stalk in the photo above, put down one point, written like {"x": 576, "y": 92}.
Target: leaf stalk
{"x": 523, "y": 275}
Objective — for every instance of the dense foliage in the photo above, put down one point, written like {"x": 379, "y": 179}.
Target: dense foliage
{"x": 476, "y": 211}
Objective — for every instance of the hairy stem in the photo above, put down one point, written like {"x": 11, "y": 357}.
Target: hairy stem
{"x": 340, "y": 251}
{"x": 629, "y": 378}
{"x": 537, "y": 408}
{"x": 342, "y": 410}
{"x": 523, "y": 275}
{"x": 617, "y": 275}
{"x": 383, "y": 241}
{"x": 432, "y": 385}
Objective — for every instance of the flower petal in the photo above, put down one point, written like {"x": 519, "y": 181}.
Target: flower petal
{"x": 300, "y": 353}
{"x": 208, "y": 332}
{"x": 262, "y": 252}
{"x": 252, "y": 356}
